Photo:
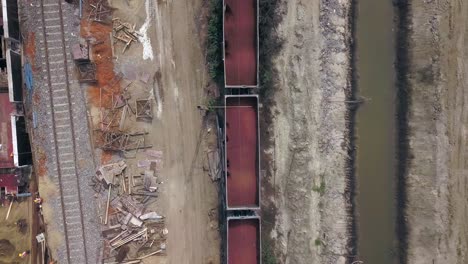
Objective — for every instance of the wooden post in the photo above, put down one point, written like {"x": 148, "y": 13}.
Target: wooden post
{"x": 9, "y": 209}
{"x": 123, "y": 183}
{"x": 151, "y": 254}
{"x": 129, "y": 184}
{"x": 112, "y": 44}
{"x": 108, "y": 202}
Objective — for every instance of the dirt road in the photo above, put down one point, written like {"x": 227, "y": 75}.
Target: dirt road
{"x": 438, "y": 117}
{"x": 188, "y": 194}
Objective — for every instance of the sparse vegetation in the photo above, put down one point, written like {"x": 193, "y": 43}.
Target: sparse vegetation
{"x": 215, "y": 42}
{"x": 270, "y": 43}
{"x": 211, "y": 104}
{"x": 318, "y": 242}
{"x": 268, "y": 256}
{"x": 319, "y": 188}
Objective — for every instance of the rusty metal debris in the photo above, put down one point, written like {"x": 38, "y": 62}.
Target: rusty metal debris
{"x": 112, "y": 105}
{"x": 80, "y": 52}
{"x": 86, "y": 72}
{"x": 100, "y": 12}
{"x": 144, "y": 109}
{"x": 86, "y": 68}
{"x": 124, "y": 32}
{"x": 119, "y": 141}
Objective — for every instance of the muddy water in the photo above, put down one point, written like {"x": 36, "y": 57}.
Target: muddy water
{"x": 376, "y": 122}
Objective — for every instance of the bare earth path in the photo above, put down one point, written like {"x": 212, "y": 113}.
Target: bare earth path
{"x": 438, "y": 124}
{"x": 189, "y": 194}
{"x": 309, "y": 128}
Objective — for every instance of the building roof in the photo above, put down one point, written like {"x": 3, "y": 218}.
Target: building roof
{"x": 9, "y": 182}
{"x": 6, "y": 142}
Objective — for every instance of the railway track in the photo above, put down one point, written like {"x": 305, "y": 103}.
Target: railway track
{"x": 57, "y": 77}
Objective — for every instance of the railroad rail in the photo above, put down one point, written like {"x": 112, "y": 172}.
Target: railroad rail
{"x": 65, "y": 174}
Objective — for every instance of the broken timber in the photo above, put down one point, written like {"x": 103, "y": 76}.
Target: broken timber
{"x": 144, "y": 109}
{"x": 119, "y": 141}
{"x": 124, "y": 32}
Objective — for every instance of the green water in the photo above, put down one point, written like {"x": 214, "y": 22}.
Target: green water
{"x": 376, "y": 122}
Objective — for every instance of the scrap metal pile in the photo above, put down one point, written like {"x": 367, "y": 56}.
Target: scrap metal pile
{"x": 86, "y": 67}
{"x": 127, "y": 191}
{"x": 124, "y": 32}
{"x": 144, "y": 109}
{"x": 131, "y": 231}
{"x": 119, "y": 141}
{"x": 100, "y": 12}
{"x": 115, "y": 109}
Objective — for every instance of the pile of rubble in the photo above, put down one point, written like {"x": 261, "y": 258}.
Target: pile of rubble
{"x": 112, "y": 134}
{"x": 120, "y": 141}
{"x": 124, "y": 32}
{"x": 131, "y": 230}
{"x": 100, "y": 12}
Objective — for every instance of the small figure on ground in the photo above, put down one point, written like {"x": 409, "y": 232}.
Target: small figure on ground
{"x": 24, "y": 254}
{"x": 38, "y": 200}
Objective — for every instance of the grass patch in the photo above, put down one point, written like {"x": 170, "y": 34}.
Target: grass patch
{"x": 318, "y": 242}
{"x": 319, "y": 188}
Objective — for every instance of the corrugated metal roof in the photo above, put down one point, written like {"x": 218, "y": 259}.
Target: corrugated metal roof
{"x": 6, "y": 148}
{"x": 9, "y": 182}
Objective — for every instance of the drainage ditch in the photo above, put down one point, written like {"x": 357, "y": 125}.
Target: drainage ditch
{"x": 376, "y": 131}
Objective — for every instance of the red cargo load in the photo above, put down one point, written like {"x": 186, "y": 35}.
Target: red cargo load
{"x": 243, "y": 236}
{"x": 6, "y": 141}
{"x": 241, "y": 43}
{"x": 242, "y": 152}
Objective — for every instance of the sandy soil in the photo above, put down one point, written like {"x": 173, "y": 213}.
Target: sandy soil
{"x": 18, "y": 242}
{"x": 309, "y": 152}
{"x": 190, "y": 193}
{"x": 438, "y": 117}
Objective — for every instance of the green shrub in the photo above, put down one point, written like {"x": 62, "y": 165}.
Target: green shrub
{"x": 318, "y": 242}
{"x": 319, "y": 188}
{"x": 215, "y": 42}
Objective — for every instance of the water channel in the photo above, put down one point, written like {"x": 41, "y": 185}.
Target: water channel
{"x": 376, "y": 133}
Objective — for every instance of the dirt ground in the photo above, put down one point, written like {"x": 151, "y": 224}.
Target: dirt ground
{"x": 176, "y": 86}
{"x": 309, "y": 135}
{"x": 189, "y": 195}
{"x": 12, "y": 241}
{"x": 437, "y": 186}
